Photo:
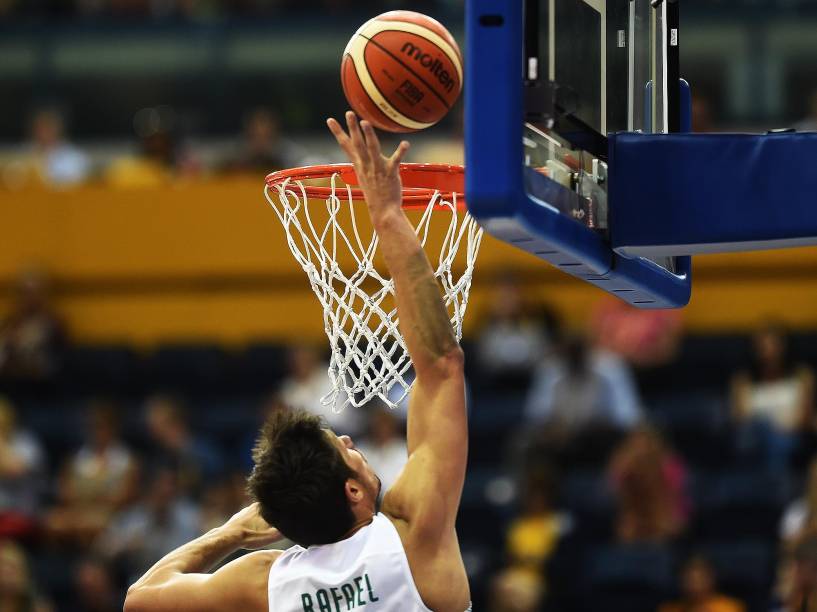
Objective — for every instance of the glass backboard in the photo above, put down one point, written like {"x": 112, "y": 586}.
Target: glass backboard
{"x": 595, "y": 67}
{"x": 548, "y": 82}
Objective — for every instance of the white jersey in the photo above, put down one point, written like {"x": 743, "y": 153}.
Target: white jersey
{"x": 369, "y": 569}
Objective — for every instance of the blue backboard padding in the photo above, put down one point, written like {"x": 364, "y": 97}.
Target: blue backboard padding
{"x": 497, "y": 183}
{"x": 705, "y": 193}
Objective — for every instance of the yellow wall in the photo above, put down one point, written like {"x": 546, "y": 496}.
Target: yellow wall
{"x": 208, "y": 260}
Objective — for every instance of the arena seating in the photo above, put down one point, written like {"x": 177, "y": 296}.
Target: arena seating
{"x": 737, "y": 503}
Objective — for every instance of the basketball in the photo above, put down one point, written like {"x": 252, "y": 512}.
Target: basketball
{"x": 402, "y": 71}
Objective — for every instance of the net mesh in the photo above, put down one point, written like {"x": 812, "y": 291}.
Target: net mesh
{"x": 368, "y": 356}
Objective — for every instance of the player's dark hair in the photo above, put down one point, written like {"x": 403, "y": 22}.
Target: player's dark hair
{"x": 299, "y": 479}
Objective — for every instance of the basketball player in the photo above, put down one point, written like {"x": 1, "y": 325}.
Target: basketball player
{"x": 317, "y": 489}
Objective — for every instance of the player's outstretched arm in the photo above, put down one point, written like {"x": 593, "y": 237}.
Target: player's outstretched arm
{"x": 179, "y": 580}
{"x": 431, "y": 485}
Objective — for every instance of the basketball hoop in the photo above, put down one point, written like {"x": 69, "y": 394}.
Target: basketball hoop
{"x": 369, "y": 358}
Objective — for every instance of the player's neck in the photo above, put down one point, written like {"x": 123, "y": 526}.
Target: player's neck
{"x": 359, "y": 524}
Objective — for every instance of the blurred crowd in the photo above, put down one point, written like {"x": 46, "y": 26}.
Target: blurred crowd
{"x": 79, "y": 524}
{"x": 590, "y": 483}
{"x": 621, "y": 467}
{"x": 585, "y": 417}
{"x": 209, "y": 9}
{"x": 198, "y": 10}
{"x": 159, "y": 156}
{"x": 162, "y": 152}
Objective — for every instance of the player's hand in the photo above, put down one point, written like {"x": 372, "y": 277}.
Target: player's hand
{"x": 378, "y": 175}
{"x": 254, "y": 532}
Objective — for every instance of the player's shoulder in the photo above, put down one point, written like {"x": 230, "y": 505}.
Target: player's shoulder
{"x": 414, "y": 503}
{"x": 255, "y": 567}
{"x": 243, "y": 582}
{"x": 262, "y": 558}
{"x": 419, "y": 524}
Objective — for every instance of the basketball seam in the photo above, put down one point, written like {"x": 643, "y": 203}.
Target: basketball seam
{"x": 447, "y": 45}
{"x": 383, "y": 95}
{"x": 398, "y": 93}
{"x": 409, "y": 68}
{"x": 374, "y": 103}
{"x": 357, "y": 50}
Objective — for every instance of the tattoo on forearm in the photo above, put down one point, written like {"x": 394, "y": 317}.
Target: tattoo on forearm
{"x": 431, "y": 323}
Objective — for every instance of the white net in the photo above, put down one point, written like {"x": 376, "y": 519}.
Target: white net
{"x": 369, "y": 358}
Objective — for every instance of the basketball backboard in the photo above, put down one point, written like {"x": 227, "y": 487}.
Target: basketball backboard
{"x": 547, "y": 82}
{"x": 597, "y": 60}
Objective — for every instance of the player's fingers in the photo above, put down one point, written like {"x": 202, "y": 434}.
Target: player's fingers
{"x": 372, "y": 143}
{"x": 400, "y": 153}
{"x": 341, "y": 136}
{"x": 356, "y": 136}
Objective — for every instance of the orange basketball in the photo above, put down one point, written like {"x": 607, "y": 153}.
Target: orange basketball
{"x": 402, "y": 71}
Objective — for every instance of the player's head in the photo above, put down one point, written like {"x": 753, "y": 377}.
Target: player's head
{"x": 311, "y": 484}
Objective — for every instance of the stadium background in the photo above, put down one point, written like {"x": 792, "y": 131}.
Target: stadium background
{"x": 147, "y": 271}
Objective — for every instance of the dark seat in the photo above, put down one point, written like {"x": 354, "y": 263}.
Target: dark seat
{"x": 484, "y": 511}
{"x": 738, "y": 503}
{"x": 696, "y": 424}
{"x": 496, "y": 411}
{"x": 261, "y": 367}
{"x": 191, "y": 368}
{"x": 231, "y": 422}
{"x": 803, "y": 348}
{"x": 629, "y": 578}
{"x": 708, "y": 361}
{"x": 59, "y": 424}
{"x": 745, "y": 569}
{"x": 102, "y": 369}
{"x": 589, "y": 499}
{"x": 493, "y": 419}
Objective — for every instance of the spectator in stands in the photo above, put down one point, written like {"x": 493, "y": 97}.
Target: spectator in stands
{"x": 262, "y": 149}
{"x": 100, "y": 479}
{"x": 221, "y": 499}
{"x": 773, "y": 402}
{"x": 512, "y": 340}
{"x": 581, "y": 400}
{"x": 798, "y": 526}
{"x": 160, "y": 158}
{"x": 385, "y": 445}
{"x": 95, "y": 587}
{"x": 194, "y": 458}
{"x": 801, "y": 515}
{"x": 650, "y": 485}
{"x": 698, "y": 592}
{"x": 307, "y": 383}
{"x": 152, "y": 167}
{"x": 17, "y": 590}
{"x": 644, "y": 338}
{"x": 270, "y": 405}
{"x": 515, "y": 592}
{"x": 22, "y": 476}
{"x": 798, "y": 589}
{"x": 161, "y": 521}
{"x": 532, "y": 538}
{"x": 49, "y": 158}
{"x": 32, "y": 337}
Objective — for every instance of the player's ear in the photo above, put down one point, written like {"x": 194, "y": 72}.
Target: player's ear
{"x": 354, "y": 490}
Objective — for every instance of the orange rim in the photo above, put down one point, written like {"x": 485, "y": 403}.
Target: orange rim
{"x": 420, "y": 182}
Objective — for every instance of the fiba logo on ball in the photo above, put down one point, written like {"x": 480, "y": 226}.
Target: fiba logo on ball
{"x": 432, "y": 64}
{"x": 402, "y": 71}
